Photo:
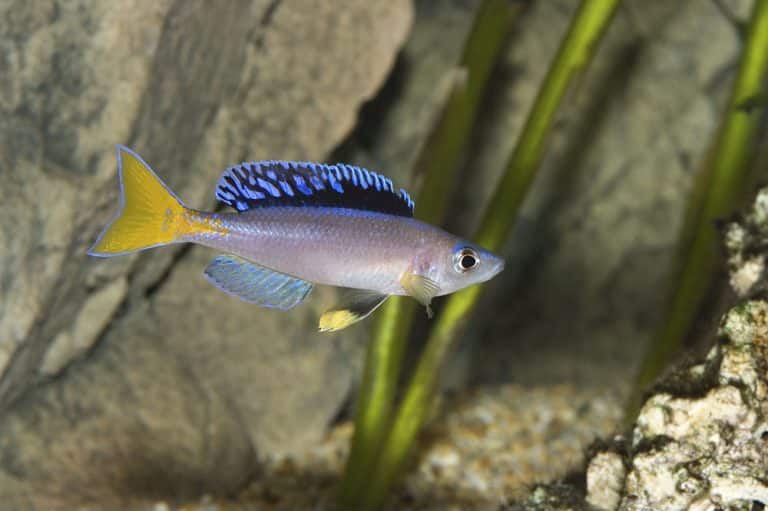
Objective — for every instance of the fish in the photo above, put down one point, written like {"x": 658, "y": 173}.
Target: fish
{"x": 296, "y": 225}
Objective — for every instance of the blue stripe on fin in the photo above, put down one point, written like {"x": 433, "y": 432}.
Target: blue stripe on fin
{"x": 287, "y": 188}
{"x": 303, "y": 188}
{"x": 304, "y": 184}
{"x": 256, "y": 284}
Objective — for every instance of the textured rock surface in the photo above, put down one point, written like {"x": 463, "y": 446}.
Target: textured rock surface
{"x": 181, "y": 385}
{"x": 394, "y": 126}
{"x": 746, "y": 240}
{"x": 702, "y": 447}
{"x": 485, "y": 448}
{"x": 214, "y": 86}
{"x": 605, "y": 480}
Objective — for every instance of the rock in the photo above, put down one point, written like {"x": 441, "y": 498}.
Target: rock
{"x": 130, "y": 377}
{"x": 605, "y": 479}
{"x": 552, "y": 497}
{"x": 745, "y": 240}
{"x": 74, "y": 77}
{"x": 394, "y": 125}
{"x": 706, "y": 450}
{"x": 90, "y": 322}
{"x": 93, "y": 76}
{"x": 483, "y": 448}
{"x": 510, "y": 437}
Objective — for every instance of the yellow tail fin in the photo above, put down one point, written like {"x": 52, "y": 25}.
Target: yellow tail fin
{"x": 150, "y": 214}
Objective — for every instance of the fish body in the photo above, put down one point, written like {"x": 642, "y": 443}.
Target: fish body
{"x": 298, "y": 224}
{"x": 337, "y": 246}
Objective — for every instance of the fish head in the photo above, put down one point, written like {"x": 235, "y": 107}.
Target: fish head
{"x": 461, "y": 264}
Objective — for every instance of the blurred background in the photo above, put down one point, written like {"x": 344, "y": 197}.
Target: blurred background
{"x": 131, "y": 383}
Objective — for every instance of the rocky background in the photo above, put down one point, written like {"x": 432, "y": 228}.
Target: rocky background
{"x": 130, "y": 383}
{"x": 128, "y": 379}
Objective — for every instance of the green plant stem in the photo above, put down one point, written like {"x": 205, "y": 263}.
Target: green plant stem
{"x": 440, "y": 156}
{"x": 574, "y": 53}
{"x": 438, "y": 162}
{"x": 377, "y": 393}
{"x": 716, "y": 194}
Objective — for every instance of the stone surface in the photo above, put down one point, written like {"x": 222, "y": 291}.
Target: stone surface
{"x": 482, "y": 450}
{"x": 129, "y": 377}
{"x": 745, "y": 240}
{"x": 394, "y": 126}
{"x": 215, "y": 86}
{"x": 91, "y": 320}
{"x": 510, "y": 437}
{"x": 553, "y": 497}
{"x": 605, "y": 479}
{"x": 73, "y": 77}
{"x": 702, "y": 446}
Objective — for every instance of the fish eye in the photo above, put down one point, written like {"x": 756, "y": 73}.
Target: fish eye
{"x": 466, "y": 259}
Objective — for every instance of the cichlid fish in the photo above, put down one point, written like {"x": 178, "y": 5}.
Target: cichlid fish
{"x": 299, "y": 224}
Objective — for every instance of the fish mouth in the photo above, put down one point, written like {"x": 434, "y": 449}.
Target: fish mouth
{"x": 496, "y": 267}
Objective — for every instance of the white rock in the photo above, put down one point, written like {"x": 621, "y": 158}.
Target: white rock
{"x": 605, "y": 480}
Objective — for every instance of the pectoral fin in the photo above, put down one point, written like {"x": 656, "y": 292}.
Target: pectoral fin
{"x": 422, "y": 288}
{"x": 256, "y": 284}
{"x": 356, "y": 305}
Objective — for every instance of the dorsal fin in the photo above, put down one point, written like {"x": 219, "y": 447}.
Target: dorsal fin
{"x": 304, "y": 184}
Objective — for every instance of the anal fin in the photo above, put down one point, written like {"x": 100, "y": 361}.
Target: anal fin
{"x": 356, "y": 305}
{"x": 256, "y": 284}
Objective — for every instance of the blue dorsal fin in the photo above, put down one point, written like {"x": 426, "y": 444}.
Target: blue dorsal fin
{"x": 304, "y": 184}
